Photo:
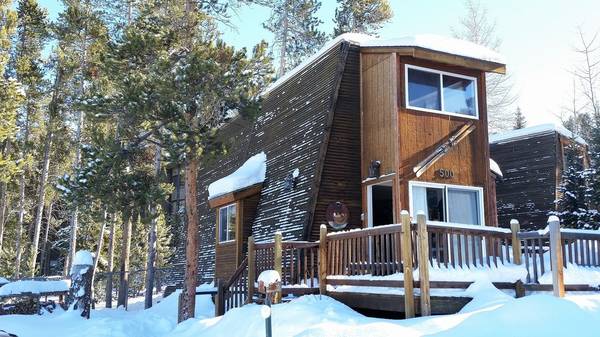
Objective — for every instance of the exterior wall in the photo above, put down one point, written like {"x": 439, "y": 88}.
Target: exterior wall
{"x": 340, "y": 178}
{"x": 532, "y": 168}
{"x": 419, "y": 133}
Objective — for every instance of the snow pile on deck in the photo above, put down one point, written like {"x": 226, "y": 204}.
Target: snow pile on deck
{"x": 252, "y": 172}
{"x": 533, "y": 131}
{"x": 268, "y": 277}
{"x": 34, "y": 287}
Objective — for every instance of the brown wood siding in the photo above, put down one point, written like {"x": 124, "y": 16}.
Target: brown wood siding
{"x": 379, "y": 106}
{"x": 528, "y": 189}
{"x": 340, "y": 179}
{"x": 422, "y": 132}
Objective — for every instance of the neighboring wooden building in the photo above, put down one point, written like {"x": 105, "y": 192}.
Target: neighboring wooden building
{"x": 360, "y": 131}
{"x": 532, "y": 162}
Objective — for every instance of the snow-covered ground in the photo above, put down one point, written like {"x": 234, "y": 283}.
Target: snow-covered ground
{"x": 491, "y": 313}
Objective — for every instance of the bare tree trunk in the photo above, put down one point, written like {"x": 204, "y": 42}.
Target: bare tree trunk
{"x": 188, "y": 299}
{"x": 4, "y": 197}
{"x": 98, "y": 250}
{"x": 43, "y": 262}
{"x": 283, "y": 52}
{"x": 74, "y": 216}
{"x": 125, "y": 253}
{"x": 151, "y": 261}
{"x": 111, "y": 252}
{"x": 40, "y": 203}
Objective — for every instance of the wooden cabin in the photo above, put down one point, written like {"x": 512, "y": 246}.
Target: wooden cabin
{"x": 360, "y": 131}
{"x": 532, "y": 161}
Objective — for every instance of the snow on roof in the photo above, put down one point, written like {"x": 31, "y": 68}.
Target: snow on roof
{"x": 494, "y": 167}
{"x": 427, "y": 41}
{"x": 35, "y": 287}
{"x": 533, "y": 131}
{"x": 252, "y": 172}
{"x": 442, "y": 44}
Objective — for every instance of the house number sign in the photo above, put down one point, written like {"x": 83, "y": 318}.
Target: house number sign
{"x": 446, "y": 173}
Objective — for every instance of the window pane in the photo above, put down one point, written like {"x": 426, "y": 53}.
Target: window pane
{"x": 463, "y": 206}
{"x": 424, "y": 89}
{"x": 435, "y": 204}
{"x": 223, "y": 224}
{"x": 231, "y": 222}
{"x": 459, "y": 95}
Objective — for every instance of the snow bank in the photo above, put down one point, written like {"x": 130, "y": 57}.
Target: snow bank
{"x": 252, "y": 172}
{"x": 533, "y": 131}
{"x": 574, "y": 274}
{"x": 35, "y": 287}
{"x": 3, "y": 280}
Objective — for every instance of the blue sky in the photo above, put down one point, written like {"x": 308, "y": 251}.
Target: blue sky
{"x": 538, "y": 39}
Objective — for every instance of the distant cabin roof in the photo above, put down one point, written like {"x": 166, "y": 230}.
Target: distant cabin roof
{"x": 489, "y": 60}
{"x": 533, "y": 131}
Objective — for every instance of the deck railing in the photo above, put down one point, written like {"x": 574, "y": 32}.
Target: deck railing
{"x": 234, "y": 292}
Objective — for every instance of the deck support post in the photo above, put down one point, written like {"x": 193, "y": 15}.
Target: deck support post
{"x": 219, "y": 299}
{"x": 277, "y": 251}
{"x": 556, "y": 257}
{"x": 323, "y": 260}
{"x": 423, "y": 258}
{"x": 515, "y": 227}
{"x": 251, "y": 268}
{"x": 407, "y": 265}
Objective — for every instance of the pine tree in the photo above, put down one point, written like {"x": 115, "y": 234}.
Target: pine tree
{"x": 295, "y": 26}
{"x": 477, "y": 27}
{"x": 11, "y": 97}
{"x": 520, "y": 121}
{"x": 572, "y": 208}
{"x": 361, "y": 16}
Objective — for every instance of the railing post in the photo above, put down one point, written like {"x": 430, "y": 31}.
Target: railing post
{"x": 409, "y": 296}
{"x": 278, "y": 250}
{"x": 323, "y": 260}
{"x": 423, "y": 264}
{"x": 219, "y": 300}
{"x": 251, "y": 268}
{"x": 556, "y": 257}
{"x": 515, "y": 227}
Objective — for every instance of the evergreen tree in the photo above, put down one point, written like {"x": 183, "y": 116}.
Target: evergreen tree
{"x": 520, "y": 121}
{"x": 295, "y": 26}
{"x": 11, "y": 97}
{"x": 572, "y": 208}
{"x": 361, "y": 16}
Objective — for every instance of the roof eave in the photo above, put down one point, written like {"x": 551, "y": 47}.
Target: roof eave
{"x": 442, "y": 57}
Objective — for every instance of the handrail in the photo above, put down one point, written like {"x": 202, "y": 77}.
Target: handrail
{"x": 238, "y": 272}
{"x": 355, "y": 233}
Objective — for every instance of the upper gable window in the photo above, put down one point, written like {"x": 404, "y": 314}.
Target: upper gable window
{"x": 441, "y": 92}
{"x": 227, "y": 221}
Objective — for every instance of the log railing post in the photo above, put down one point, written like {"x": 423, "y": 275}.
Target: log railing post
{"x": 219, "y": 299}
{"x": 251, "y": 268}
{"x": 423, "y": 261}
{"x": 556, "y": 257}
{"x": 323, "y": 260}
{"x": 515, "y": 227}
{"x": 278, "y": 266}
{"x": 409, "y": 296}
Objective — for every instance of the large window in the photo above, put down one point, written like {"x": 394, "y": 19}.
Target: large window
{"x": 447, "y": 203}
{"x": 441, "y": 92}
{"x": 227, "y": 221}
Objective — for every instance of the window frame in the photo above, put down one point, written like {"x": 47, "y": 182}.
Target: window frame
{"x": 219, "y": 223}
{"x": 441, "y": 74}
{"x": 445, "y": 187}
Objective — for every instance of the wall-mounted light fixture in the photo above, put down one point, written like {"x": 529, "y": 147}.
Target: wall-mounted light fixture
{"x": 375, "y": 169}
{"x": 291, "y": 181}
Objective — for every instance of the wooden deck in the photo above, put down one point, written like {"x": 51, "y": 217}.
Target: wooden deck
{"x": 440, "y": 305}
